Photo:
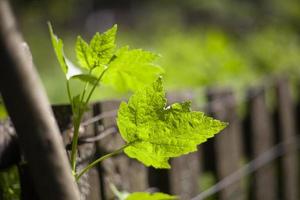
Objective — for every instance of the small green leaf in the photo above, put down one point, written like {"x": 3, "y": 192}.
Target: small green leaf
{"x": 84, "y": 54}
{"x": 58, "y": 49}
{"x": 148, "y": 196}
{"x": 103, "y": 46}
{"x": 132, "y": 69}
{"x": 157, "y": 132}
{"x": 66, "y": 65}
{"x": 86, "y": 78}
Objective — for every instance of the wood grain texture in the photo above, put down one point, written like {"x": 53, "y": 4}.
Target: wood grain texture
{"x": 263, "y": 139}
{"x": 287, "y": 128}
{"x": 30, "y": 111}
{"x": 228, "y": 143}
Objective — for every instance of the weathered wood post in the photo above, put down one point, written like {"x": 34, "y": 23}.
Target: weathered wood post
{"x": 286, "y": 113}
{"x": 262, "y": 140}
{"x": 31, "y": 115}
{"x": 228, "y": 143}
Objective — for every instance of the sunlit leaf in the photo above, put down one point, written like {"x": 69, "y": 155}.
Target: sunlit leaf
{"x": 84, "y": 54}
{"x": 156, "y": 132}
{"x": 132, "y": 69}
{"x": 103, "y": 46}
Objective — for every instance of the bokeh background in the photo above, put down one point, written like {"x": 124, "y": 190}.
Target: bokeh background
{"x": 236, "y": 43}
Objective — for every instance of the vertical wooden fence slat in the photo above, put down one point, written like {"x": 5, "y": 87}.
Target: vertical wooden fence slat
{"x": 159, "y": 179}
{"x": 288, "y": 132}
{"x": 184, "y": 176}
{"x": 94, "y": 183}
{"x": 109, "y": 168}
{"x": 127, "y": 174}
{"x": 228, "y": 143}
{"x": 185, "y": 170}
{"x": 90, "y": 185}
{"x": 263, "y": 139}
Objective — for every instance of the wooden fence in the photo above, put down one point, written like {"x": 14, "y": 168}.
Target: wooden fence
{"x": 255, "y": 157}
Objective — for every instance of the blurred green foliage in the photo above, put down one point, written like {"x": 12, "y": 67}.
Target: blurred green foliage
{"x": 191, "y": 58}
{"x": 206, "y": 181}
{"x": 201, "y": 58}
{"x": 273, "y": 50}
{"x": 3, "y": 112}
{"x": 203, "y": 43}
{"x": 9, "y": 184}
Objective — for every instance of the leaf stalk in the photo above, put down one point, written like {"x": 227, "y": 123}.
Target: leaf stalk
{"x": 94, "y": 163}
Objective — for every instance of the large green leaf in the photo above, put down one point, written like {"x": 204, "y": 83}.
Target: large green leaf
{"x": 132, "y": 69}
{"x": 156, "y": 132}
{"x": 148, "y": 196}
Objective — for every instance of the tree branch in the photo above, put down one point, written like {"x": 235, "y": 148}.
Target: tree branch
{"x": 31, "y": 115}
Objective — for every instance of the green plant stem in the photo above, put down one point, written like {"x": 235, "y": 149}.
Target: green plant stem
{"x": 95, "y": 85}
{"x": 78, "y": 118}
{"x": 85, "y": 88}
{"x": 84, "y": 91}
{"x": 75, "y": 143}
{"x": 69, "y": 93}
{"x": 91, "y": 165}
{"x": 76, "y": 124}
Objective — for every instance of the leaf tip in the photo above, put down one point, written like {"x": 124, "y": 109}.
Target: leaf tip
{"x": 222, "y": 126}
{"x": 79, "y": 37}
{"x": 49, "y": 24}
{"x": 50, "y": 28}
{"x": 115, "y": 26}
{"x": 225, "y": 124}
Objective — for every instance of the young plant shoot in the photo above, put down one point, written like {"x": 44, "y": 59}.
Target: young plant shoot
{"x": 153, "y": 131}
